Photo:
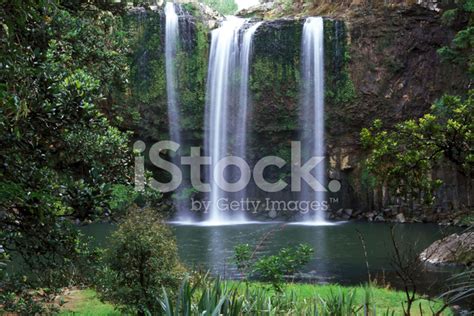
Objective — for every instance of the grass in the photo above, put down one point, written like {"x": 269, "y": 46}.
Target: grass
{"x": 85, "y": 302}
{"x": 382, "y": 298}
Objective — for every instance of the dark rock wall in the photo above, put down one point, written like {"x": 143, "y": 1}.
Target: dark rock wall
{"x": 397, "y": 75}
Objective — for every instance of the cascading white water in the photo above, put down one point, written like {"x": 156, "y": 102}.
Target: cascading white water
{"x": 221, "y": 95}
{"x": 243, "y": 113}
{"x": 174, "y": 120}
{"x": 312, "y": 111}
{"x": 171, "y": 46}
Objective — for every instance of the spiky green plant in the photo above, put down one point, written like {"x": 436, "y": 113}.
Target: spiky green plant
{"x": 217, "y": 297}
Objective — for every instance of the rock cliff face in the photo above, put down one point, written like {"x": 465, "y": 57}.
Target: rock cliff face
{"x": 397, "y": 75}
{"x": 379, "y": 63}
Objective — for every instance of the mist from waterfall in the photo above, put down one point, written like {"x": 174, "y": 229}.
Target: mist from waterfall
{"x": 312, "y": 109}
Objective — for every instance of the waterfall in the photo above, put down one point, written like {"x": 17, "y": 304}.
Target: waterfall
{"x": 312, "y": 110}
{"x": 171, "y": 48}
{"x": 222, "y": 91}
{"x": 244, "y": 114}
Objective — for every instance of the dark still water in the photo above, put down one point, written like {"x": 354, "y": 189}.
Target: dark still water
{"x": 338, "y": 258}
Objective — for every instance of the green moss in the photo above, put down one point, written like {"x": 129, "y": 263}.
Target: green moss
{"x": 192, "y": 66}
{"x": 148, "y": 71}
{"x": 340, "y": 89}
{"x": 274, "y": 82}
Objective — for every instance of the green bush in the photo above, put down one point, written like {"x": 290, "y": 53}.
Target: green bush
{"x": 122, "y": 198}
{"x": 272, "y": 268}
{"x": 288, "y": 261}
{"x": 141, "y": 259}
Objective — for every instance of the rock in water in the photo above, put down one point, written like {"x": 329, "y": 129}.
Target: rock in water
{"x": 455, "y": 248}
{"x": 400, "y": 218}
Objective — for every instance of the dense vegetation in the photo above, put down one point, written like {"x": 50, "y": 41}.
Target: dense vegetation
{"x": 73, "y": 75}
{"x": 141, "y": 259}
{"x": 64, "y": 143}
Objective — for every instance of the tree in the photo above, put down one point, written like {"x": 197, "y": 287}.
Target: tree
{"x": 403, "y": 157}
{"x": 63, "y": 147}
{"x": 141, "y": 259}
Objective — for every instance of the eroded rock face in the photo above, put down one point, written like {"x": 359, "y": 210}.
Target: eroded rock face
{"x": 457, "y": 249}
{"x": 397, "y": 74}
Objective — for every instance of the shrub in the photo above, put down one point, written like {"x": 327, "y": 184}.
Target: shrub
{"x": 272, "y": 268}
{"x": 288, "y": 261}
{"x": 140, "y": 260}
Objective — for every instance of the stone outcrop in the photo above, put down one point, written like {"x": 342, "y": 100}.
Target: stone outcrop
{"x": 456, "y": 249}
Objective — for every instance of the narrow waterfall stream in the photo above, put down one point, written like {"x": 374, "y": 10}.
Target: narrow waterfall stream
{"x": 312, "y": 109}
{"x": 243, "y": 114}
{"x": 174, "y": 119}
{"x": 171, "y": 47}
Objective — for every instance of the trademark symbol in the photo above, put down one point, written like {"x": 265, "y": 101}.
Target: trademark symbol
{"x": 333, "y": 200}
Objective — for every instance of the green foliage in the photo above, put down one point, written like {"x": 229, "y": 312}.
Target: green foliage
{"x": 191, "y": 66}
{"x": 461, "y": 288}
{"x": 216, "y": 297}
{"x": 148, "y": 76}
{"x": 243, "y": 257}
{"x": 288, "y": 261}
{"x": 224, "y": 7}
{"x": 24, "y": 303}
{"x": 461, "y": 49}
{"x": 203, "y": 298}
{"x": 63, "y": 143}
{"x": 340, "y": 304}
{"x": 339, "y": 88}
{"x": 403, "y": 158}
{"x": 141, "y": 259}
{"x": 122, "y": 198}
{"x": 272, "y": 268}
{"x": 449, "y": 16}
{"x": 58, "y": 256}
{"x": 274, "y": 84}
